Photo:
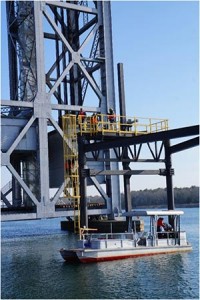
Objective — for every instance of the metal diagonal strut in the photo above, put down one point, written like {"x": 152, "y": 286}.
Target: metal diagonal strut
{"x": 184, "y": 146}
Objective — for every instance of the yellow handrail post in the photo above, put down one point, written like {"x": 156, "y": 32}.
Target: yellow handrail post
{"x": 150, "y": 125}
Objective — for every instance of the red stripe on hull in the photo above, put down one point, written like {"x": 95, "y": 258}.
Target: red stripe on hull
{"x": 110, "y": 258}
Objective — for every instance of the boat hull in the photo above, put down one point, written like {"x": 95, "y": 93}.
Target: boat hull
{"x": 99, "y": 255}
{"x": 116, "y": 246}
{"x": 69, "y": 255}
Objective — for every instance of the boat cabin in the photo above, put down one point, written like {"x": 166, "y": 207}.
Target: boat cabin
{"x": 169, "y": 235}
{"x": 160, "y": 233}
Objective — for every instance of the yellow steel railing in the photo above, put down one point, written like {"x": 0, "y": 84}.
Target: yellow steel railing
{"x": 122, "y": 125}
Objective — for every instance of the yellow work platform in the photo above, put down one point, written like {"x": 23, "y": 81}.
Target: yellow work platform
{"x": 94, "y": 125}
{"x": 122, "y": 125}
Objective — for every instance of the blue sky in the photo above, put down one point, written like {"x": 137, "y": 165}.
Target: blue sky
{"x": 158, "y": 43}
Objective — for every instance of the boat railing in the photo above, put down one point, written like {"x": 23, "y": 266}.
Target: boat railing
{"x": 177, "y": 236}
{"x": 120, "y": 236}
{"x": 165, "y": 238}
{"x": 167, "y": 234}
{"x": 140, "y": 238}
{"x": 109, "y": 236}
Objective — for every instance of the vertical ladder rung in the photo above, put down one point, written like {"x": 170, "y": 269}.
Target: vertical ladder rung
{"x": 71, "y": 186}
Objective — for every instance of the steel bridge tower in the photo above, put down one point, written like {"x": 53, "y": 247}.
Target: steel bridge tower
{"x": 60, "y": 60}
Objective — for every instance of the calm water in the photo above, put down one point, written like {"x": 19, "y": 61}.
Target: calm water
{"x": 31, "y": 267}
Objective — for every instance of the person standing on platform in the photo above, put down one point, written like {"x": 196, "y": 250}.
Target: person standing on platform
{"x": 94, "y": 122}
{"x": 111, "y": 118}
{"x": 82, "y": 119}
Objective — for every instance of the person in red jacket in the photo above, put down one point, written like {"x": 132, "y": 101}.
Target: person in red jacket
{"x": 160, "y": 225}
{"x": 111, "y": 118}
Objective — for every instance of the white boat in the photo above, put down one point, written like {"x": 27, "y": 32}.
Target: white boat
{"x": 96, "y": 247}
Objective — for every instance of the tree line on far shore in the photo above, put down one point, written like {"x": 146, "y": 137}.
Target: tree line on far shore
{"x": 186, "y": 197}
{"x": 158, "y": 197}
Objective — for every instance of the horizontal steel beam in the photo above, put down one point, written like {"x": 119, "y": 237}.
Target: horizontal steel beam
{"x": 141, "y": 139}
{"x": 17, "y": 103}
{"x": 18, "y": 216}
{"x": 128, "y": 160}
{"x": 67, "y": 5}
{"x": 53, "y": 106}
{"x": 124, "y": 172}
{"x": 74, "y": 107}
{"x": 57, "y": 214}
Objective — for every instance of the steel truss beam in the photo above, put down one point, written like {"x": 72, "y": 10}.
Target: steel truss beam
{"x": 141, "y": 139}
{"x": 60, "y": 84}
{"x": 164, "y": 137}
{"x": 131, "y": 155}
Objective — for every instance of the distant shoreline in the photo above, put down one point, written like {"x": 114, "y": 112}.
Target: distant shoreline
{"x": 192, "y": 205}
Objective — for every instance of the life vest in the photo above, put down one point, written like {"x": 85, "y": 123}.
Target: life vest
{"x": 94, "y": 119}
